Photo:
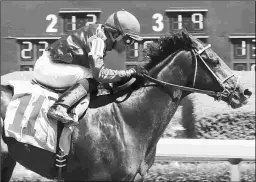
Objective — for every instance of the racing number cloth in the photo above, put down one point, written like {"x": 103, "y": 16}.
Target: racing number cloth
{"x": 26, "y": 118}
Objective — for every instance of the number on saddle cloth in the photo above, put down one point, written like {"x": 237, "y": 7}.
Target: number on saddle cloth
{"x": 26, "y": 116}
{"x": 26, "y": 119}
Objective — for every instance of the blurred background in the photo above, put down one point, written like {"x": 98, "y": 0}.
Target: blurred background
{"x": 28, "y": 27}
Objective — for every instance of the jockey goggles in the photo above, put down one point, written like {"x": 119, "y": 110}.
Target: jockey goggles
{"x": 127, "y": 38}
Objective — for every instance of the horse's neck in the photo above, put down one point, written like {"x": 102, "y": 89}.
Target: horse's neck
{"x": 154, "y": 108}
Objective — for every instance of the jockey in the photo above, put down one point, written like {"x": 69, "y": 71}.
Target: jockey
{"x": 75, "y": 59}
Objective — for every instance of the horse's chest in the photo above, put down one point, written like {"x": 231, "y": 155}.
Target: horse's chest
{"x": 103, "y": 165}
{"x": 107, "y": 156}
{"x": 110, "y": 147}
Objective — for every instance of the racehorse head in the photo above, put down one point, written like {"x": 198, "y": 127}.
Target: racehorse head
{"x": 196, "y": 66}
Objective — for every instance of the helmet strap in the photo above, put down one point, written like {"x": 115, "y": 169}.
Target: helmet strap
{"x": 112, "y": 39}
{"x": 111, "y": 36}
{"x": 119, "y": 37}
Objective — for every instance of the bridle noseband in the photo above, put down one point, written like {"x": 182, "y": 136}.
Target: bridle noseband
{"x": 218, "y": 95}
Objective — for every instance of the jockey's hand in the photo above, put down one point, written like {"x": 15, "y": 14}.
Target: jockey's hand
{"x": 139, "y": 72}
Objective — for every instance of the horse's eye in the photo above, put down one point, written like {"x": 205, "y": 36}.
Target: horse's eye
{"x": 218, "y": 61}
{"x": 215, "y": 59}
{"x": 211, "y": 55}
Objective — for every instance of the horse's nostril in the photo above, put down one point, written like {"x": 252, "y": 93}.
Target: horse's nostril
{"x": 247, "y": 92}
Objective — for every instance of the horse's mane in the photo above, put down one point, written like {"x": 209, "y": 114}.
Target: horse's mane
{"x": 168, "y": 44}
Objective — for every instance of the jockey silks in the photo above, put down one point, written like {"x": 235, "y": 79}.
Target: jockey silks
{"x": 70, "y": 53}
{"x": 74, "y": 48}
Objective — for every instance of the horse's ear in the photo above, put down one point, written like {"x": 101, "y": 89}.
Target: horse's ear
{"x": 187, "y": 37}
{"x": 185, "y": 34}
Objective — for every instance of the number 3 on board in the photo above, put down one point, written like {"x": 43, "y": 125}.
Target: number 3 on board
{"x": 159, "y": 21}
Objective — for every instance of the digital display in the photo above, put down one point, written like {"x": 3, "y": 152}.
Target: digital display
{"x": 41, "y": 45}
{"x": 243, "y": 48}
{"x": 252, "y": 66}
{"x": 243, "y": 52}
{"x": 136, "y": 53}
{"x": 192, "y": 20}
{"x": 75, "y": 19}
{"x": 155, "y": 24}
{"x": 26, "y": 50}
{"x": 252, "y": 49}
{"x": 26, "y": 67}
{"x": 240, "y": 48}
{"x": 31, "y": 48}
{"x": 240, "y": 66}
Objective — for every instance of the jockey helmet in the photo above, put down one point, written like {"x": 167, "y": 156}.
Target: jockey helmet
{"x": 127, "y": 24}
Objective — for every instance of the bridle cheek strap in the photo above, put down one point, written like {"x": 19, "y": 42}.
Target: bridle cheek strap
{"x": 204, "y": 49}
{"x": 225, "y": 92}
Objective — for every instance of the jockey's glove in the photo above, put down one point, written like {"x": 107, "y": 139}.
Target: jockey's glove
{"x": 139, "y": 71}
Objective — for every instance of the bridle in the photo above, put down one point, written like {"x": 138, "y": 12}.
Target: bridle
{"x": 217, "y": 95}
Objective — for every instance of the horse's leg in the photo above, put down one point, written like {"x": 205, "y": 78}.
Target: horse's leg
{"x": 7, "y": 166}
{"x": 7, "y": 162}
{"x": 138, "y": 178}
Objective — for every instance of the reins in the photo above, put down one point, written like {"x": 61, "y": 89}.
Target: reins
{"x": 166, "y": 85}
{"x": 217, "y": 95}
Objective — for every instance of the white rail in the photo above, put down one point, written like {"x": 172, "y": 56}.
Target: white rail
{"x": 233, "y": 151}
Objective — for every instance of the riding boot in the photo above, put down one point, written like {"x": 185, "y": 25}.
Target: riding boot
{"x": 58, "y": 111}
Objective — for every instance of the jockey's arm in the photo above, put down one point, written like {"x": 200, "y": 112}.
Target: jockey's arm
{"x": 100, "y": 73}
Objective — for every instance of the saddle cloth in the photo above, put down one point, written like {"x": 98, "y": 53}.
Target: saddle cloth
{"x": 26, "y": 118}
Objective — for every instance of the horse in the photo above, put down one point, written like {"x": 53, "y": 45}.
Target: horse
{"x": 116, "y": 141}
